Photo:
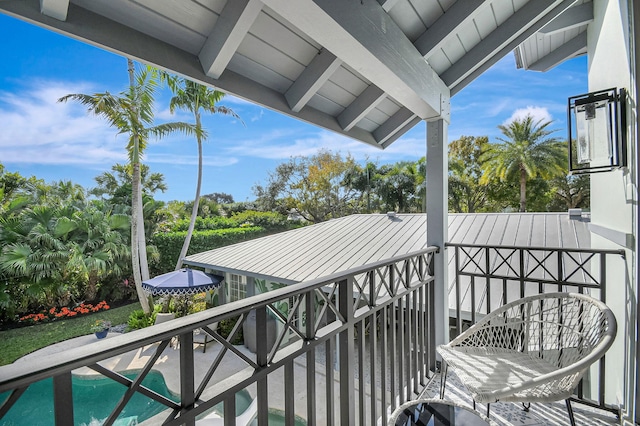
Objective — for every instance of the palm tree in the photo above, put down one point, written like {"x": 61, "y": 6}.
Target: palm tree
{"x": 526, "y": 152}
{"x": 194, "y": 97}
{"x": 48, "y": 249}
{"x": 131, "y": 112}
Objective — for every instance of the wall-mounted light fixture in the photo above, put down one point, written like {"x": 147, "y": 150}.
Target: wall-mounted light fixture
{"x": 597, "y": 132}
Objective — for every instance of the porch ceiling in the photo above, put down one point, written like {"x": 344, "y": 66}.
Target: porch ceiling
{"x": 563, "y": 38}
{"x": 367, "y": 69}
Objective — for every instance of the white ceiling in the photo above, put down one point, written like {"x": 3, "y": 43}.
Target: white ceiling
{"x": 367, "y": 69}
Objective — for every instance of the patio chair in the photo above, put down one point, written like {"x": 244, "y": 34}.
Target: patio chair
{"x": 201, "y": 337}
{"x": 534, "y": 349}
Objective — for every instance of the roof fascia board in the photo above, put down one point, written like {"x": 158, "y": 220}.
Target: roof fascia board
{"x": 468, "y": 71}
{"x": 573, "y": 47}
{"x": 311, "y": 80}
{"x": 458, "y": 15}
{"x": 230, "y": 29}
{"x": 365, "y": 37}
{"x": 99, "y": 31}
{"x": 573, "y": 17}
{"x": 361, "y": 106}
{"x": 55, "y": 8}
{"x": 239, "y": 272}
{"x": 520, "y": 25}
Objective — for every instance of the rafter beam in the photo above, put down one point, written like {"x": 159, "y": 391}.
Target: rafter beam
{"x": 55, "y": 8}
{"x": 458, "y": 15}
{"x": 311, "y": 80}
{"x": 387, "y": 4}
{"x": 573, "y": 47}
{"x": 104, "y": 33}
{"x": 360, "y": 107}
{"x": 393, "y": 124}
{"x": 401, "y": 131}
{"x": 365, "y": 37}
{"x": 573, "y": 17}
{"x": 230, "y": 29}
{"x": 515, "y": 30}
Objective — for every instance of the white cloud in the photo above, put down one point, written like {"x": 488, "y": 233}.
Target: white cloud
{"x": 282, "y": 144}
{"x": 190, "y": 160}
{"x": 37, "y": 129}
{"x": 258, "y": 116}
{"x": 538, "y": 113}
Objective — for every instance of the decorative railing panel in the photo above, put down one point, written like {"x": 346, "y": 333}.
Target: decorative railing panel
{"x": 345, "y": 349}
{"x": 487, "y": 277}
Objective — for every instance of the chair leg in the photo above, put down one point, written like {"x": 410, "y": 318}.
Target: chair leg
{"x": 570, "y": 410}
{"x": 488, "y": 406}
{"x": 443, "y": 379}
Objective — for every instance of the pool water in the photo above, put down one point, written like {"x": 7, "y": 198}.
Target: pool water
{"x": 94, "y": 397}
{"x": 93, "y": 400}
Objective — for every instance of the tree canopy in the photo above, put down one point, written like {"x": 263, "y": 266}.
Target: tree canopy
{"x": 526, "y": 151}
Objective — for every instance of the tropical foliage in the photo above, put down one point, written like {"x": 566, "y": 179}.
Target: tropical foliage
{"x": 131, "y": 112}
{"x": 312, "y": 187}
{"x": 526, "y": 152}
{"x": 195, "y": 98}
{"x": 63, "y": 248}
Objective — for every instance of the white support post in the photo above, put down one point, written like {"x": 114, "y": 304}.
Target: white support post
{"x": 437, "y": 220}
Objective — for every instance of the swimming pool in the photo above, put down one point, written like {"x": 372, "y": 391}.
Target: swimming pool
{"x": 94, "y": 397}
{"x": 93, "y": 400}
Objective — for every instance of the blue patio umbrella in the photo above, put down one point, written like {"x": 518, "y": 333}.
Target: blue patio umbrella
{"x": 184, "y": 281}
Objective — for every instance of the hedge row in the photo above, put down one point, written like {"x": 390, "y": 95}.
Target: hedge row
{"x": 169, "y": 244}
{"x": 266, "y": 220}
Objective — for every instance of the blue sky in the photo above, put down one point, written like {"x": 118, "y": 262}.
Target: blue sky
{"x": 56, "y": 141}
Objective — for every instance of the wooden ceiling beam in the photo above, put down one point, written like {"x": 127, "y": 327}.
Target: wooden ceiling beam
{"x": 230, "y": 29}
{"x": 311, "y": 80}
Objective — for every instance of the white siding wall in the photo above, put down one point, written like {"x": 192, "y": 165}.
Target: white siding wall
{"x": 613, "y": 194}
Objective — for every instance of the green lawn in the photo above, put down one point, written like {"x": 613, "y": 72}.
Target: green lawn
{"x": 21, "y": 341}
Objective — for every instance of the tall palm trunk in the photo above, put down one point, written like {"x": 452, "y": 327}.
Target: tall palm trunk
{"x": 136, "y": 213}
{"x": 142, "y": 236}
{"x": 523, "y": 189}
{"x": 196, "y": 202}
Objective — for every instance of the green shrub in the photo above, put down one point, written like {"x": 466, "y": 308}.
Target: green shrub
{"x": 267, "y": 220}
{"x": 170, "y": 243}
{"x": 226, "y": 326}
{"x": 138, "y": 319}
{"x": 205, "y": 224}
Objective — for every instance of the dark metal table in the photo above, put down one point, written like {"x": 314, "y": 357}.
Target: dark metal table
{"x": 435, "y": 412}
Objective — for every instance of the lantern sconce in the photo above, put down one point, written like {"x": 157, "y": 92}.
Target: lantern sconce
{"x": 597, "y": 131}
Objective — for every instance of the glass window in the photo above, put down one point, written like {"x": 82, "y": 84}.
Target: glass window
{"x": 237, "y": 287}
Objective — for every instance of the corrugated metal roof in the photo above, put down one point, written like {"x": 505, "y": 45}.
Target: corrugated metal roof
{"x": 341, "y": 244}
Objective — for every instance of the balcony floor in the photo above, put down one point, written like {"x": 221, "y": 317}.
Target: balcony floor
{"x": 507, "y": 413}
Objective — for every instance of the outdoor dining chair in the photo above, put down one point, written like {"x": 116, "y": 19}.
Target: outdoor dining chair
{"x": 534, "y": 349}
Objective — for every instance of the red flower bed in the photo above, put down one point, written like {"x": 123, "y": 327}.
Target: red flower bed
{"x": 64, "y": 312}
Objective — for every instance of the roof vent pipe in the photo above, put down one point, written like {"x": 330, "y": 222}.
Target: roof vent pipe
{"x": 391, "y": 214}
{"x": 575, "y": 213}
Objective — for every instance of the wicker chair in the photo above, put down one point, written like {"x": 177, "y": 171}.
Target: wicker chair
{"x": 535, "y": 349}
